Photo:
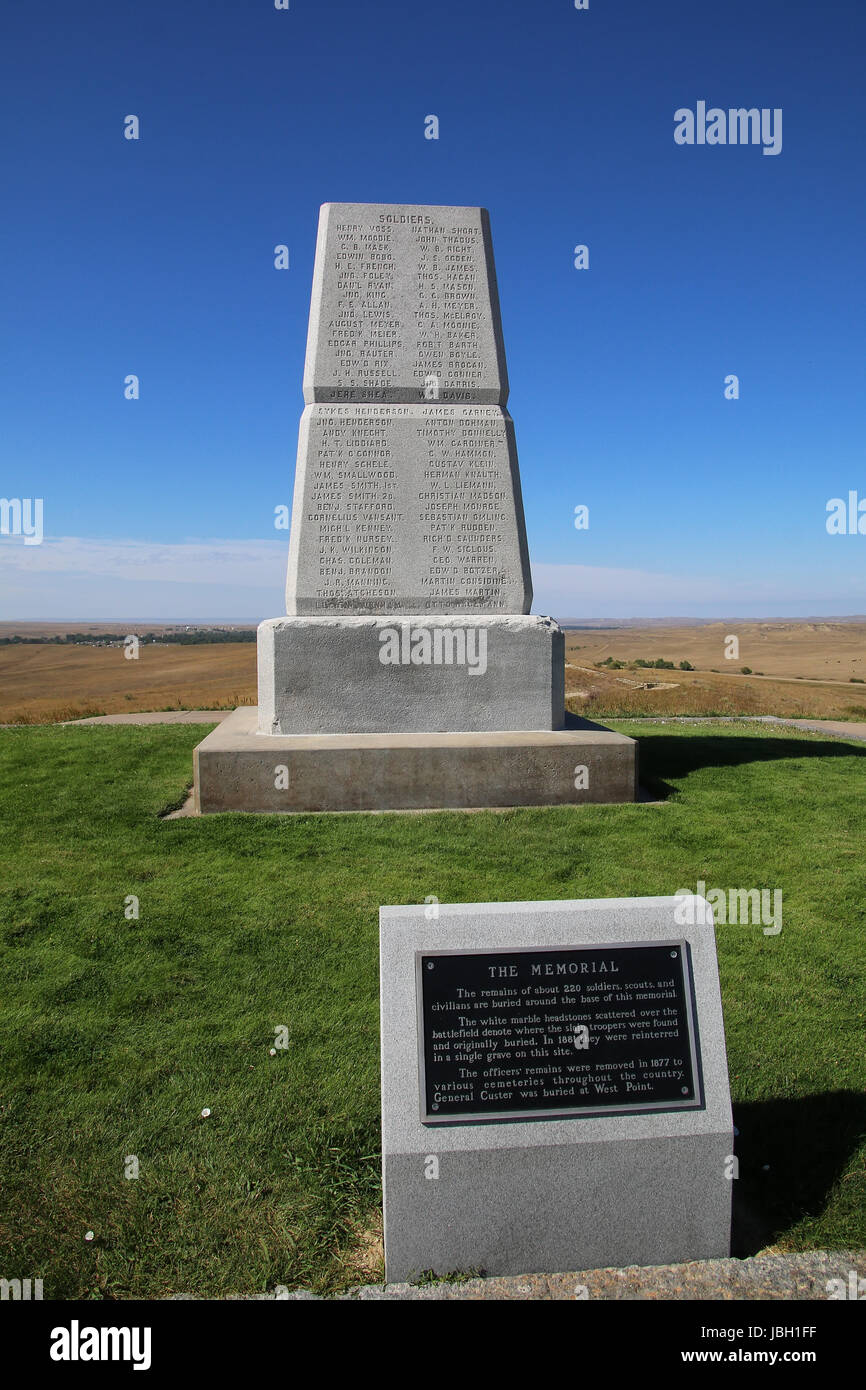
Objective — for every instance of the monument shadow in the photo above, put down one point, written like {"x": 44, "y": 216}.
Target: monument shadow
{"x": 677, "y": 756}
{"x": 791, "y": 1154}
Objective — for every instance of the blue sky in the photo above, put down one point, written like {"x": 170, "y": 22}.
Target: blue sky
{"x": 155, "y": 257}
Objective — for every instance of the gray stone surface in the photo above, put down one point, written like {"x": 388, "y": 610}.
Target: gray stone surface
{"x": 806, "y": 1275}
{"x": 769, "y": 1277}
{"x": 235, "y": 769}
{"x": 407, "y": 509}
{"x": 542, "y": 1195}
{"x": 404, "y": 302}
{"x": 409, "y": 674}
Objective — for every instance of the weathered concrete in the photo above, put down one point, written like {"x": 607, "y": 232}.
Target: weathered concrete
{"x": 403, "y": 674}
{"x": 813, "y": 1274}
{"x": 237, "y": 769}
{"x": 650, "y": 1186}
{"x": 817, "y": 1275}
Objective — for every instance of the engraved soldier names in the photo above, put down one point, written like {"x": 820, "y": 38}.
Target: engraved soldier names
{"x": 407, "y": 494}
{"x": 407, "y": 304}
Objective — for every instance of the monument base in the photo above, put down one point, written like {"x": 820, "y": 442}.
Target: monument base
{"x": 239, "y": 769}
{"x": 443, "y": 673}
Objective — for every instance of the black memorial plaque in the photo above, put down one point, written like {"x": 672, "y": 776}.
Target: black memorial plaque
{"x": 547, "y": 1031}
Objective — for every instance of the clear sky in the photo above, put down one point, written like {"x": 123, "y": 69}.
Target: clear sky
{"x": 156, "y": 257}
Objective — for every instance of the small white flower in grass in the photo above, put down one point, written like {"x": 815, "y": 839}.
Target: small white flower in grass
{"x": 205, "y": 1113}
{"x": 273, "y": 1052}
{"x": 88, "y": 1235}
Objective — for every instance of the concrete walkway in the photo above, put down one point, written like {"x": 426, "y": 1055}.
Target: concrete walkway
{"x": 812, "y": 1274}
{"x": 167, "y": 716}
{"x": 762, "y": 1277}
{"x": 838, "y": 728}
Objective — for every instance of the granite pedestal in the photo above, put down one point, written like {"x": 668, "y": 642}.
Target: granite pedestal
{"x": 628, "y": 1186}
{"x": 405, "y": 674}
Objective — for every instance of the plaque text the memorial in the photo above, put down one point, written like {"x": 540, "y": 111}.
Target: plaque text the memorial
{"x": 544, "y": 1032}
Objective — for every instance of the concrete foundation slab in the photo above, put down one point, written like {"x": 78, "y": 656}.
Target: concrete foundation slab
{"x": 239, "y": 769}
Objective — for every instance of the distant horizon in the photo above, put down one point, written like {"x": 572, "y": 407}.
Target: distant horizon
{"x": 682, "y": 322}
{"x": 671, "y": 620}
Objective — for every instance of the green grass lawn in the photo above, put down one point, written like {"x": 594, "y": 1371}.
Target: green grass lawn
{"x": 116, "y": 1033}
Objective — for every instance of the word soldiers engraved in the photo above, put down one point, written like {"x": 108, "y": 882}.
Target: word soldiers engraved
{"x": 404, "y": 305}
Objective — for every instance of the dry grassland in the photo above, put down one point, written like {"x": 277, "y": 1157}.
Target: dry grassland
{"x": 46, "y": 684}
{"x": 799, "y": 669}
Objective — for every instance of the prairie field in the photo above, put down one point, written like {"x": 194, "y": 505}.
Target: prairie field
{"x": 798, "y": 669}
{"x": 47, "y": 684}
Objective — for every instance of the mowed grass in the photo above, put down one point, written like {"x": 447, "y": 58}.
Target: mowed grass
{"x": 117, "y": 1033}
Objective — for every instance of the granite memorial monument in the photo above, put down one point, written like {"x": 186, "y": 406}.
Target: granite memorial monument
{"x": 407, "y": 672}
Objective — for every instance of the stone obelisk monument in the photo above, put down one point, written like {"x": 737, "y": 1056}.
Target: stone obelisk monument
{"x": 408, "y": 672}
